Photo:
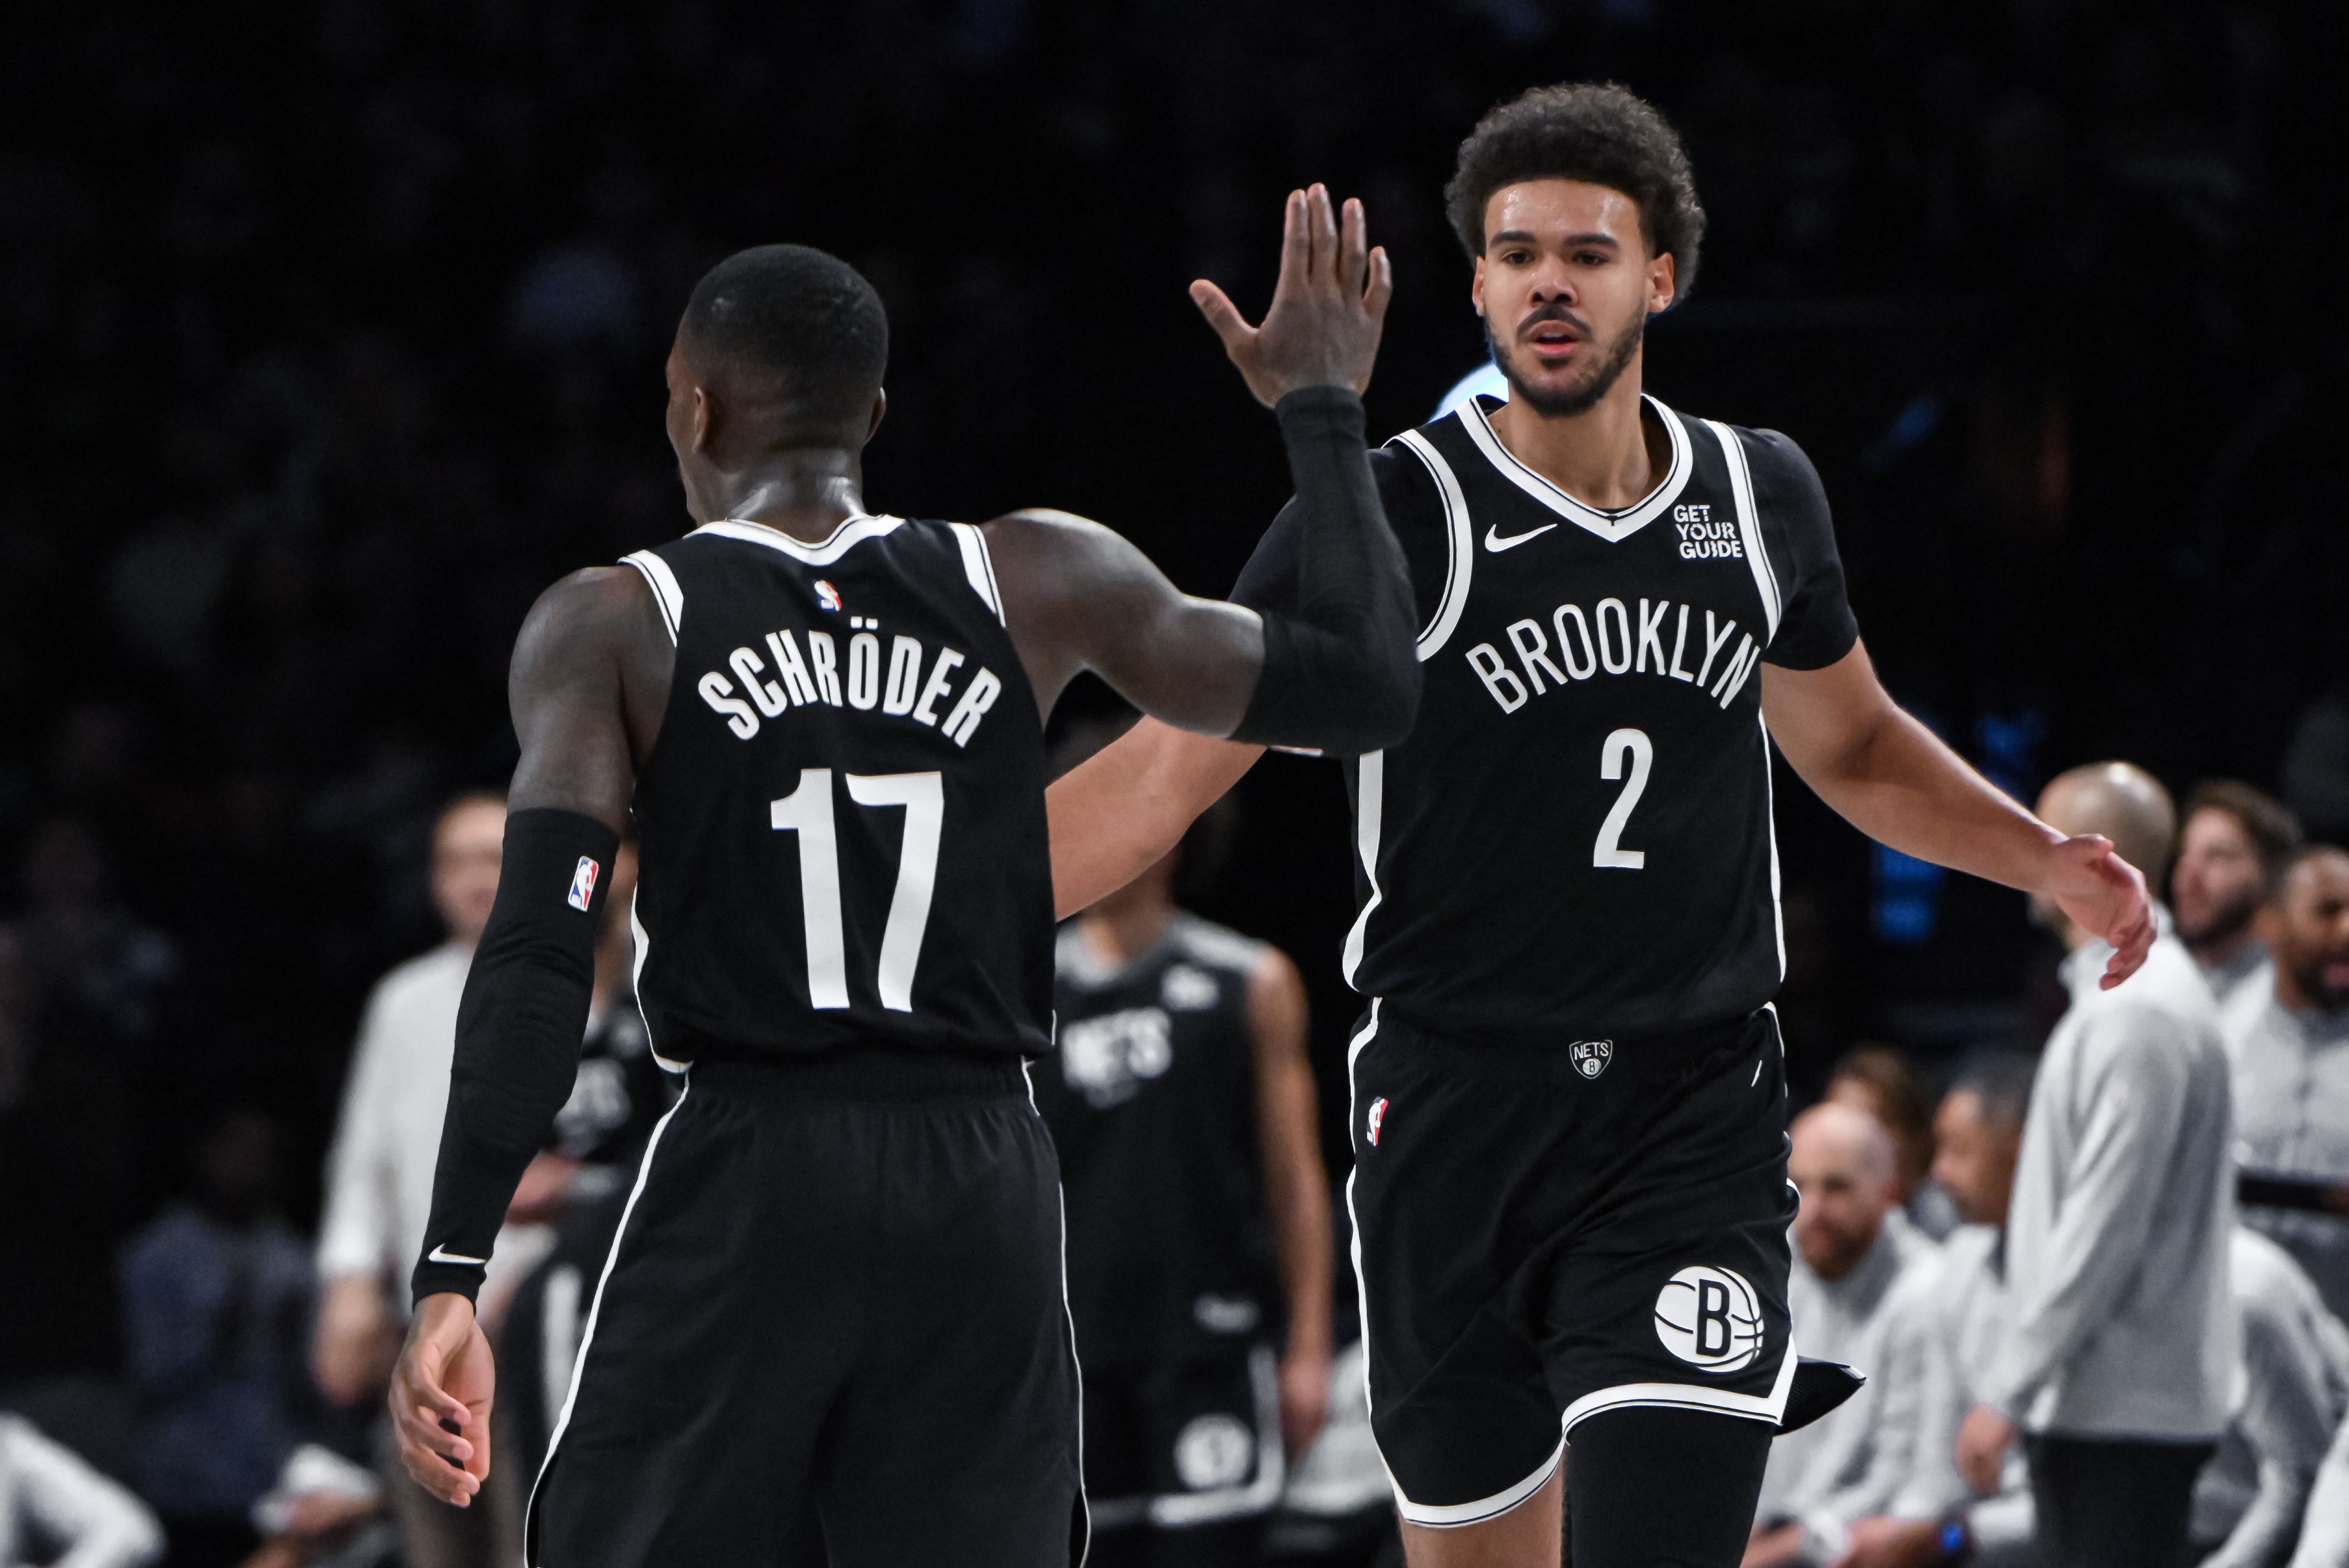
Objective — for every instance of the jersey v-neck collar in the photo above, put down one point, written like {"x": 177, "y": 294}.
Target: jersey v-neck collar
{"x": 1613, "y": 526}
{"x": 852, "y": 531}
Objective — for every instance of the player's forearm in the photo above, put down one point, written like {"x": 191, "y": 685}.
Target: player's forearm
{"x": 1340, "y": 670}
{"x": 1300, "y": 1222}
{"x": 1114, "y": 815}
{"x": 2266, "y": 1530}
{"x": 517, "y": 1032}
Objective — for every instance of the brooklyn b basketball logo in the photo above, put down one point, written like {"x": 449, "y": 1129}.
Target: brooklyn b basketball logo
{"x": 1590, "y": 1057}
{"x": 1709, "y": 1319}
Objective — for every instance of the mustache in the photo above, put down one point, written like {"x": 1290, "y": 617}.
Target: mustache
{"x": 1554, "y": 312}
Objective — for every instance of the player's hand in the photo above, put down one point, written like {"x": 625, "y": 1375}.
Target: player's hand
{"x": 1304, "y": 1398}
{"x": 2105, "y": 895}
{"x": 1882, "y": 1543}
{"x": 440, "y": 1399}
{"x": 1328, "y": 309}
{"x": 1983, "y": 1440}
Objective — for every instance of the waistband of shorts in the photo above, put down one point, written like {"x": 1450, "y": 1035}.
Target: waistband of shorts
{"x": 877, "y": 1072}
{"x": 1547, "y": 1055}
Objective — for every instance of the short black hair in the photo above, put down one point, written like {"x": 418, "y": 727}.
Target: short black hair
{"x": 1598, "y": 131}
{"x": 806, "y": 317}
{"x": 2275, "y": 834}
{"x": 2002, "y": 1081}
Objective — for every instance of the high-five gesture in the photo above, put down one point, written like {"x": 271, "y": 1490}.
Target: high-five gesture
{"x": 1328, "y": 309}
{"x": 2104, "y": 893}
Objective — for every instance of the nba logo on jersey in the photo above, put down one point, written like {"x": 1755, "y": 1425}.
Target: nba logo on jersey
{"x": 1709, "y": 1319}
{"x": 1378, "y": 1118}
{"x": 827, "y": 597}
{"x": 583, "y": 883}
{"x": 1590, "y": 1057}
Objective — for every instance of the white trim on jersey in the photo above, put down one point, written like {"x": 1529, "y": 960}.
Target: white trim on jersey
{"x": 852, "y": 532}
{"x": 1770, "y": 1407}
{"x": 1355, "y": 1220}
{"x": 636, "y": 983}
{"x": 1770, "y": 826}
{"x": 1614, "y": 527}
{"x": 1460, "y": 544}
{"x": 588, "y": 1335}
{"x": 978, "y": 566}
{"x": 1068, "y": 1315}
{"x": 1370, "y": 800}
{"x": 666, "y": 590}
{"x": 1749, "y": 527}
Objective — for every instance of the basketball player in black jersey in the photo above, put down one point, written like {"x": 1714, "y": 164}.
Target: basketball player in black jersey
{"x": 1569, "y": 1098}
{"x": 835, "y": 1293}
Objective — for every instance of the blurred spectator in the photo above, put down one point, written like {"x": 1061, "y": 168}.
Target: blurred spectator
{"x": 380, "y": 1177}
{"x": 2325, "y": 1529}
{"x": 1934, "y": 1516}
{"x": 216, "y": 1304}
{"x": 2296, "y": 1391}
{"x": 58, "y": 1512}
{"x": 1863, "y": 1278}
{"x": 2117, "y": 1238}
{"x": 2291, "y": 1049}
{"x": 2230, "y": 852}
{"x": 1878, "y": 1080}
{"x": 324, "y": 1513}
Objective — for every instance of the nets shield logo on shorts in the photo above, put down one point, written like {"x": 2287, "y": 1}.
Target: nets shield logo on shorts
{"x": 1590, "y": 1057}
{"x": 1709, "y": 1319}
{"x": 583, "y": 883}
{"x": 1378, "y": 1119}
{"x": 1214, "y": 1451}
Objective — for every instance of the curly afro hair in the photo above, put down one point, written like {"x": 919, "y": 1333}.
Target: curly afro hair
{"x": 1597, "y": 131}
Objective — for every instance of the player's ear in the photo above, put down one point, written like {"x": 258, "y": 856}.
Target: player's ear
{"x": 1476, "y": 286}
{"x": 880, "y": 407}
{"x": 1662, "y": 287}
{"x": 705, "y": 419}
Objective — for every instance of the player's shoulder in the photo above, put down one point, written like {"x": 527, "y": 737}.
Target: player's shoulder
{"x": 1203, "y": 942}
{"x": 1783, "y": 472}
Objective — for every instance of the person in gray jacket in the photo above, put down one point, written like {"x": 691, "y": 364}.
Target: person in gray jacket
{"x": 2121, "y": 1363}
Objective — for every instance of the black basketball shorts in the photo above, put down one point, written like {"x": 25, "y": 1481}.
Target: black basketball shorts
{"x": 835, "y": 1304}
{"x": 1185, "y": 1443}
{"x": 1542, "y": 1235}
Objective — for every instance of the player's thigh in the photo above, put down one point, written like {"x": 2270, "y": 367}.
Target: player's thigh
{"x": 955, "y": 1441}
{"x": 712, "y": 1352}
{"x": 1526, "y": 1536}
{"x": 1656, "y": 1488}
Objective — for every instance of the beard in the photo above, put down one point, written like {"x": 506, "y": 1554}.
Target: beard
{"x": 2222, "y": 923}
{"x": 1573, "y": 400}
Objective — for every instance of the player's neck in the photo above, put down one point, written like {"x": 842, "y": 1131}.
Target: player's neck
{"x": 1604, "y": 457}
{"x": 807, "y": 494}
{"x": 1122, "y": 929}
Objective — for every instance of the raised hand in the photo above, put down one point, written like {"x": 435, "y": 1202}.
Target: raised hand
{"x": 1328, "y": 309}
{"x": 2104, "y": 894}
{"x": 440, "y": 1399}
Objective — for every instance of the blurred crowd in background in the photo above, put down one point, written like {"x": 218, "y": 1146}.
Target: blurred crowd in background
{"x": 330, "y": 334}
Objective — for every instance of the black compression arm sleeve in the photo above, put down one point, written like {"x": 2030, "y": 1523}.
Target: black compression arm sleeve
{"x": 518, "y": 1034}
{"x": 1341, "y": 673}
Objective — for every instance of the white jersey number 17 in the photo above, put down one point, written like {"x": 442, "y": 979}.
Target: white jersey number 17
{"x": 807, "y": 811}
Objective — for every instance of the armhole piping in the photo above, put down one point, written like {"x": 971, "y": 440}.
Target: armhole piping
{"x": 1459, "y": 546}
{"x": 666, "y": 590}
{"x": 978, "y": 567}
{"x": 1749, "y": 526}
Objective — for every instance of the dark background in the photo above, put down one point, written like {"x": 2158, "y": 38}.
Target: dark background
{"x": 330, "y": 335}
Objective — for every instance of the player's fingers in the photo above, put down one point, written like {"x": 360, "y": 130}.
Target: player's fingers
{"x": 425, "y": 1430}
{"x": 1353, "y": 248}
{"x": 1382, "y": 285}
{"x": 1296, "y": 247}
{"x": 1223, "y": 315}
{"x": 1322, "y": 226}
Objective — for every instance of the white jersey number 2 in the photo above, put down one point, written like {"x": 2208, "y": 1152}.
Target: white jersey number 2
{"x": 807, "y": 811}
{"x": 1609, "y": 851}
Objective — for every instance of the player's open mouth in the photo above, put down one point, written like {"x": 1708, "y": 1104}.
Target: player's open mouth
{"x": 2336, "y": 973}
{"x": 1553, "y": 342}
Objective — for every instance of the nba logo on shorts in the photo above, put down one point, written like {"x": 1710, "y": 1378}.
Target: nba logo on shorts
{"x": 827, "y": 597}
{"x": 1378, "y": 1118}
{"x": 1590, "y": 1057}
{"x": 583, "y": 883}
{"x": 1709, "y": 1319}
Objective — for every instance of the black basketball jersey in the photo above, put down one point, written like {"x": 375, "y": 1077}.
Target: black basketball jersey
{"x": 841, "y": 827}
{"x": 1152, "y": 1107}
{"x": 1574, "y": 841}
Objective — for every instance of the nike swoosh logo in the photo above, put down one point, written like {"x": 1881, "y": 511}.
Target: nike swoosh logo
{"x": 443, "y": 1255}
{"x": 1495, "y": 544}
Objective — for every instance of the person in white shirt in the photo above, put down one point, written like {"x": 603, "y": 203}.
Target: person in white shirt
{"x": 2295, "y": 1359}
{"x": 2231, "y": 852}
{"x": 2117, "y": 1238}
{"x": 2290, "y": 1050}
{"x": 2324, "y": 1527}
{"x": 1860, "y": 1274}
{"x": 1934, "y": 1516}
{"x": 379, "y": 1173}
{"x": 49, "y": 1494}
